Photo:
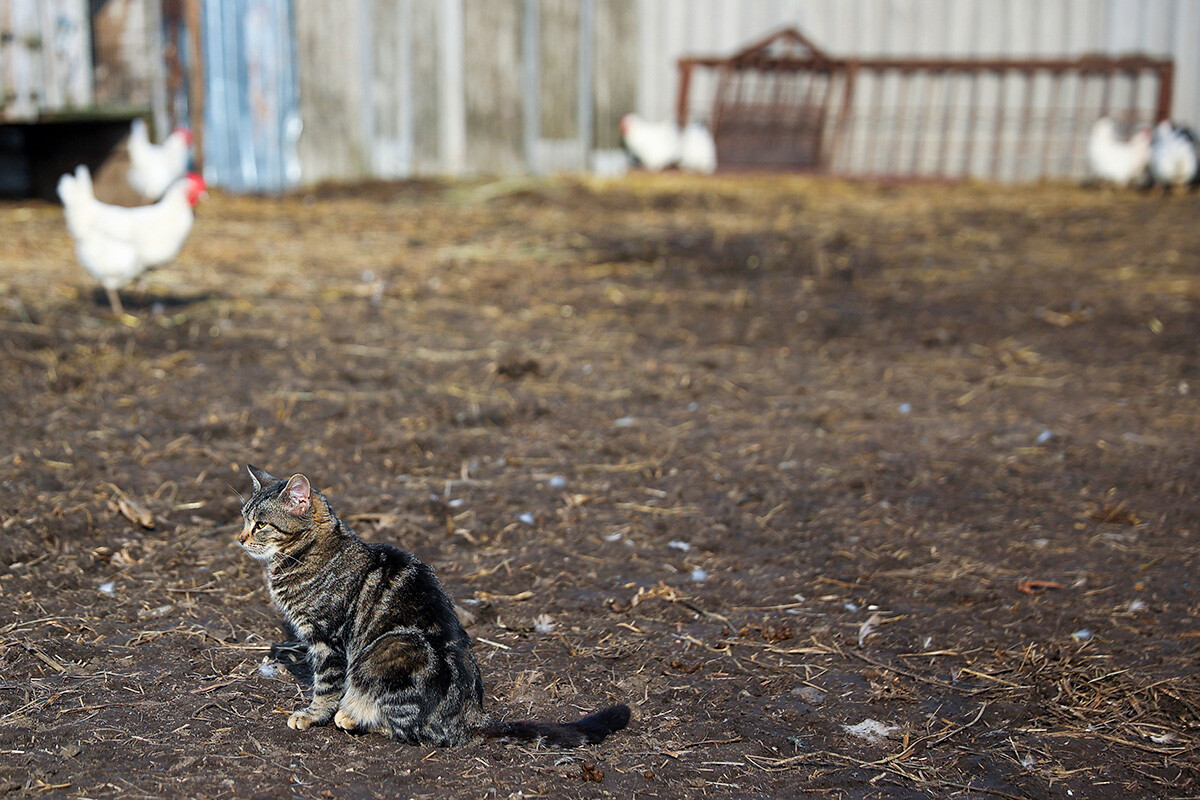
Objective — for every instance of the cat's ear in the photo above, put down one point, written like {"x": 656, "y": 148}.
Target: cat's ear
{"x": 297, "y": 495}
{"x": 260, "y": 476}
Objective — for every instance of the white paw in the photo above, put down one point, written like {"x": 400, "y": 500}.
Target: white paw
{"x": 301, "y": 720}
{"x": 344, "y": 721}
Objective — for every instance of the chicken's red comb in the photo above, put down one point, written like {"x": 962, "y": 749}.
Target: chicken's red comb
{"x": 185, "y": 133}
{"x": 195, "y": 187}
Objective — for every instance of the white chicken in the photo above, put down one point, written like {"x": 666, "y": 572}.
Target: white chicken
{"x": 1116, "y": 161}
{"x": 1173, "y": 157}
{"x": 154, "y": 167}
{"x": 654, "y": 145}
{"x": 116, "y": 244}
{"x": 697, "y": 150}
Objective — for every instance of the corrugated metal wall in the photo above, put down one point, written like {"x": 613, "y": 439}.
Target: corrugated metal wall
{"x": 669, "y": 29}
{"x": 251, "y": 119}
{"x": 394, "y": 88}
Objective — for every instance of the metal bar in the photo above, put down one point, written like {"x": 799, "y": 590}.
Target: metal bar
{"x": 1166, "y": 80}
{"x": 821, "y": 161}
{"x": 898, "y": 125}
{"x": 720, "y": 103}
{"x": 1135, "y": 85}
{"x": 685, "y": 86}
{"x": 972, "y": 116}
{"x": 944, "y": 150}
{"x": 918, "y": 149}
{"x": 876, "y": 105}
{"x": 772, "y": 111}
{"x": 839, "y": 135}
{"x": 1072, "y": 136}
{"x": 1025, "y": 131}
{"x": 776, "y": 123}
{"x": 998, "y": 128}
{"x": 1085, "y": 64}
{"x": 1051, "y": 119}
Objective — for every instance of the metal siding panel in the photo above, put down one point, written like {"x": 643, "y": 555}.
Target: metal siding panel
{"x": 251, "y": 120}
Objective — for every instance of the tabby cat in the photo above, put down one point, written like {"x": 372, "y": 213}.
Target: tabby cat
{"x": 387, "y": 651}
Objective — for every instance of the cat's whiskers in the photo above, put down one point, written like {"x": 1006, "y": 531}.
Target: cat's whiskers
{"x": 279, "y": 558}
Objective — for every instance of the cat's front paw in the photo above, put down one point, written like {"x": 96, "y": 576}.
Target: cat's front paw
{"x": 344, "y": 720}
{"x": 302, "y": 720}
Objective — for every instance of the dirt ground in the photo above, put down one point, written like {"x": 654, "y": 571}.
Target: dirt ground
{"x": 850, "y": 491}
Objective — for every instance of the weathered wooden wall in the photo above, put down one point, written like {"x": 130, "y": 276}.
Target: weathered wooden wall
{"x": 45, "y": 58}
{"x": 393, "y": 88}
{"x": 616, "y": 69}
{"x": 75, "y": 60}
{"x": 492, "y": 51}
{"x": 333, "y": 140}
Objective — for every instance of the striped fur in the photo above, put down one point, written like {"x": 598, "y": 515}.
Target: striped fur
{"x": 386, "y": 649}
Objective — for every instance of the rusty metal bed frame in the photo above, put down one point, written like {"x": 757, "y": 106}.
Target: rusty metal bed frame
{"x": 784, "y": 104}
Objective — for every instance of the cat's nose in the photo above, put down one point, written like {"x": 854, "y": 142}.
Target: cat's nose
{"x": 244, "y": 536}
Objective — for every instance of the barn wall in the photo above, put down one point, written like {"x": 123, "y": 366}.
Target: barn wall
{"x": 333, "y": 138}
{"x": 668, "y": 29}
{"x": 393, "y": 88}
{"x": 494, "y": 102}
{"x": 45, "y": 58}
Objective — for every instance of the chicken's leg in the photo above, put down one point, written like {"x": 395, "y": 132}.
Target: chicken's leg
{"x": 114, "y": 300}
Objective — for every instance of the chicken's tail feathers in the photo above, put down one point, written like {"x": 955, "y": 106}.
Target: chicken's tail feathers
{"x": 72, "y": 188}
{"x": 75, "y": 192}
{"x": 592, "y": 729}
{"x": 83, "y": 181}
{"x": 138, "y": 132}
{"x": 66, "y": 188}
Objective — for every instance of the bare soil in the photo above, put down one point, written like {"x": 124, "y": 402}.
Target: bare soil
{"x": 851, "y": 491}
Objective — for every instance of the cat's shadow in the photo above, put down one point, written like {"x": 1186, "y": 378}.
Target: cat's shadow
{"x": 292, "y": 655}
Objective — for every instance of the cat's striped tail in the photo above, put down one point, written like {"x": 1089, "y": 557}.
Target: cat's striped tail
{"x": 592, "y": 729}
